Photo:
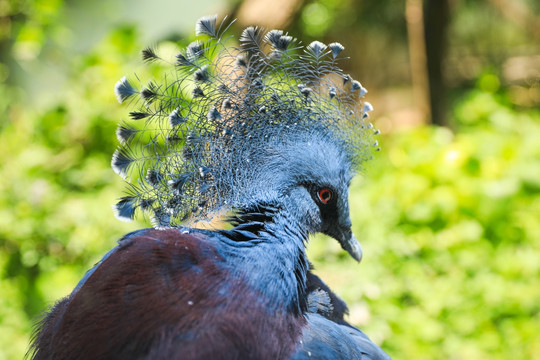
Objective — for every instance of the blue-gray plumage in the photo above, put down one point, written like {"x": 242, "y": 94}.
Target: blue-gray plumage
{"x": 323, "y": 339}
{"x": 266, "y": 136}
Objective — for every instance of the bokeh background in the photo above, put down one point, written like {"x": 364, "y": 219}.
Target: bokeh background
{"x": 448, "y": 212}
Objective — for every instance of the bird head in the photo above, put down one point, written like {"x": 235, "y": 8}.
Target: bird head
{"x": 265, "y": 121}
{"x": 310, "y": 177}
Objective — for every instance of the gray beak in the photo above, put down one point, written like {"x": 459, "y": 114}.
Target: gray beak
{"x": 352, "y": 246}
{"x": 347, "y": 240}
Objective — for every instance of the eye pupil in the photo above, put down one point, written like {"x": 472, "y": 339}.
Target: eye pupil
{"x": 325, "y": 195}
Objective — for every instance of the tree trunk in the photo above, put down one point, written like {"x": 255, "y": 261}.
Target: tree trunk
{"x": 417, "y": 56}
{"x": 436, "y": 20}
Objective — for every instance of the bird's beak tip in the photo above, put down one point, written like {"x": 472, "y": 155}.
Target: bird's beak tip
{"x": 353, "y": 247}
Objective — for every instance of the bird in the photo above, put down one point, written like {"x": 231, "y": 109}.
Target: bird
{"x": 262, "y": 136}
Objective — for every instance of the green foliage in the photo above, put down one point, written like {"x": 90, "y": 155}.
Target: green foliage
{"x": 450, "y": 226}
{"x": 449, "y": 221}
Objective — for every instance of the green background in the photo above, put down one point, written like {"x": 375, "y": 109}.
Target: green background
{"x": 449, "y": 217}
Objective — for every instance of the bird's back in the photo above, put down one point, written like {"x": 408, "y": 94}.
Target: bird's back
{"x": 164, "y": 294}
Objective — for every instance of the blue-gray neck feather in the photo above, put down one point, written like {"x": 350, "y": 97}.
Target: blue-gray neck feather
{"x": 271, "y": 237}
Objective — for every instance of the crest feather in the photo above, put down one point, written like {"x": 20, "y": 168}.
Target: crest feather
{"x": 206, "y": 26}
{"x": 217, "y": 122}
{"x": 124, "y": 90}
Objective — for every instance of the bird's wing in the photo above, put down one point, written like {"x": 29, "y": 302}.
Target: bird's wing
{"x": 327, "y": 335}
{"x": 324, "y": 339}
{"x": 322, "y": 300}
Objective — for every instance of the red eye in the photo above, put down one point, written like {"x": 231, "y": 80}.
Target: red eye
{"x": 325, "y": 195}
